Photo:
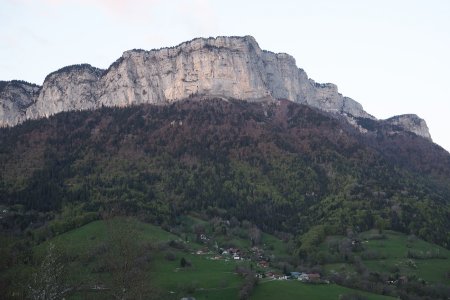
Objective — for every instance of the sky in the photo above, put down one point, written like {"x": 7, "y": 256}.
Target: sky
{"x": 392, "y": 56}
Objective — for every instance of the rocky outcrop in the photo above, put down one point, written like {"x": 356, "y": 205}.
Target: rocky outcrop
{"x": 411, "y": 123}
{"x": 224, "y": 66}
{"x": 229, "y": 67}
{"x": 15, "y": 98}
{"x": 70, "y": 88}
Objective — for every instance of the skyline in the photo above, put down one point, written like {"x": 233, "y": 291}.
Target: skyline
{"x": 390, "y": 57}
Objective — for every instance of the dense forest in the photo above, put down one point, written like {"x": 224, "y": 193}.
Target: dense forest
{"x": 283, "y": 166}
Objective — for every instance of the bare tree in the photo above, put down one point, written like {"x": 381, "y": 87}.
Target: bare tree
{"x": 255, "y": 235}
{"x": 128, "y": 261}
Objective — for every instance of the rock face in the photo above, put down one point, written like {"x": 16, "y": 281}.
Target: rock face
{"x": 15, "y": 98}
{"x": 70, "y": 88}
{"x": 226, "y": 67}
{"x": 411, "y": 123}
{"x": 229, "y": 67}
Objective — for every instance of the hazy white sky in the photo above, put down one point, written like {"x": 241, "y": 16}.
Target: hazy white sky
{"x": 392, "y": 56}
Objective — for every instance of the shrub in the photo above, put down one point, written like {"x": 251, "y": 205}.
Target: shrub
{"x": 185, "y": 263}
{"x": 177, "y": 245}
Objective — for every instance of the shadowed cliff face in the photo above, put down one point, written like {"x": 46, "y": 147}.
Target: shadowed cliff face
{"x": 228, "y": 67}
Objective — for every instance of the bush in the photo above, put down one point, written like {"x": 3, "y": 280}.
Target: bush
{"x": 60, "y": 226}
{"x": 184, "y": 263}
{"x": 177, "y": 245}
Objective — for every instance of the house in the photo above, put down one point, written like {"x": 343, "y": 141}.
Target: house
{"x": 403, "y": 279}
{"x": 295, "y": 275}
{"x": 279, "y": 276}
{"x": 233, "y": 251}
{"x": 202, "y": 251}
{"x": 314, "y": 277}
{"x": 263, "y": 264}
{"x": 303, "y": 277}
{"x": 257, "y": 251}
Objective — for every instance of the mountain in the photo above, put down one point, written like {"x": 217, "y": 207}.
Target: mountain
{"x": 217, "y": 123}
{"x": 228, "y": 67}
{"x": 281, "y": 165}
{"x": 221, "y": 145}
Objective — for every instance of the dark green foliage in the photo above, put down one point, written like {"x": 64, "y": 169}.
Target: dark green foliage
{"x": 184, "y": 263}
{"x": 283, "y": 167}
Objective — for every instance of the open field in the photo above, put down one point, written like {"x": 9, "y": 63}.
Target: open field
{"x": 399, "y": 254}
{"x": 288, "y": 290}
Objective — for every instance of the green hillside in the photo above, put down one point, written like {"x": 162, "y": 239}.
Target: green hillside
{"x": 209, "y": 276}
{"x": 284, "y": 167}
{"x": 394, "y": 254}
{"x": 291, "y": 290}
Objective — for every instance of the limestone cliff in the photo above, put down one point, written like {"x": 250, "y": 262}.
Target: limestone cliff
{"x": 70, "y": 88}
{"x": 15, "y": 98}
{"x": 412, "y": 123}
{"x": 224, "y": 66}
{"x": 229, "y": 67}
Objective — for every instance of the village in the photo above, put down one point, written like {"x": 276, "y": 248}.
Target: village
{"x": 259, "y": 262}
